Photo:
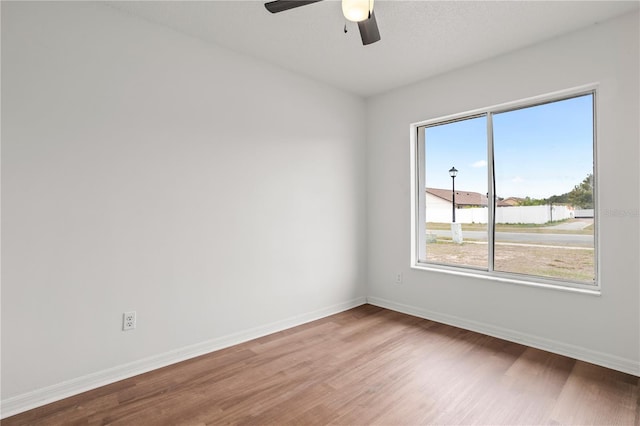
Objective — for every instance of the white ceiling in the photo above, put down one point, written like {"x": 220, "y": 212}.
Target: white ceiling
{"x": 419, "y": 38}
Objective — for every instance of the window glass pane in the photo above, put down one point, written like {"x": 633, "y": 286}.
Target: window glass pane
{"x": 459, "y": 145}
{"x": 543, "y": 164}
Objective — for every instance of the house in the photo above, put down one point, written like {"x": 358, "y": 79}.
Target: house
{"x": 463, "y": 198}
{"x": 510, "y": 202}
{"x": 438, "y": 205}
{"x": 225, "y": 173}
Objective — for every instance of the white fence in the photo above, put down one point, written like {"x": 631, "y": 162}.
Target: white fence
{"x": 519, "y": 214}
{"x": 583, "y": 213}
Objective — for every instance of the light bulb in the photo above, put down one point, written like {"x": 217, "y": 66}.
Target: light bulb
{"x": 357, "y": 10}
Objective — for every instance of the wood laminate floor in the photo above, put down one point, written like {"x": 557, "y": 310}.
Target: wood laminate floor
{"x": 364, "y": 366}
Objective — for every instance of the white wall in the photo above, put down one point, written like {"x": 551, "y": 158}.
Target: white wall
{"x": 219, "y": 197}
{"x": 605, "y": 328}
{"x": 437, "y": 209}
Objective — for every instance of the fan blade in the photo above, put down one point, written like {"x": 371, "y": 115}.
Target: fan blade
{"x": 282, "y": 5}
{"x": 369, "y": 30}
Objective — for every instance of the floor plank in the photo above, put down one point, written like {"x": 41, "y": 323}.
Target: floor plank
{"x": 367, "y": 365}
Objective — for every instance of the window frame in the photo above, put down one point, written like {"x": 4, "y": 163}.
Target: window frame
{"x": 418, "y": 207}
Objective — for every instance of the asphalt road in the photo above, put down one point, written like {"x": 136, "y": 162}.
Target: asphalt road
{"x": 526, "y": 238}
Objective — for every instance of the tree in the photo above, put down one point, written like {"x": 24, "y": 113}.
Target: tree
{"x": 582, "y": 195}
{"x": 558, "y": 199}
{"x": 528, "y": 201}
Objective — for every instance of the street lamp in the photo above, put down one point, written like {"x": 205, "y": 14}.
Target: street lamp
{"x": 453, "y": 173}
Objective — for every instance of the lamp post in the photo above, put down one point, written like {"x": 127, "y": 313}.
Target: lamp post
{"x": 453, "y": 173}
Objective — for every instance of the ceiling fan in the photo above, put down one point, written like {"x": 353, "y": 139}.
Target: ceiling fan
{"x": 360, "y": 11}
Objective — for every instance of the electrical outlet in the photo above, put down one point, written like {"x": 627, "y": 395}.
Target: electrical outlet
{"x": 128, "y": 321}
{"x": 399, "y": 278}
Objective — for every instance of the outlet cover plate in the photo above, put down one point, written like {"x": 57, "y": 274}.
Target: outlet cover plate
{"x": 128, "y": 321}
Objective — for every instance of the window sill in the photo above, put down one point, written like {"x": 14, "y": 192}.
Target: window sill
{"x": 511, "y": 279}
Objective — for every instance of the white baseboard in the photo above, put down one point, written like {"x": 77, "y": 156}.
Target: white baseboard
{"x": 599, "y": 358}
{"x": 43, "y": 396}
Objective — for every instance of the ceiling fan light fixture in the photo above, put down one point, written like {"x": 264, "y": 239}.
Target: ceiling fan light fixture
{"x": 357, "y": 10}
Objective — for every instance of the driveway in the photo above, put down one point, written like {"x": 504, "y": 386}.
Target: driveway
{"x": 574, "y": 225}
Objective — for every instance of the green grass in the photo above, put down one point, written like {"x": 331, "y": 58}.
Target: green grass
{"x": 533, "y": 228}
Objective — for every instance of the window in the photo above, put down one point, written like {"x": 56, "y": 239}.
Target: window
{"x": 508, "y": 191}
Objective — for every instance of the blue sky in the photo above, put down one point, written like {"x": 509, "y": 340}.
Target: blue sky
{"x": 539, "y": 151}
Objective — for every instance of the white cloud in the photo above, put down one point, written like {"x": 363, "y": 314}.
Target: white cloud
{"x": 480, "y": 163}
{"x": 517, "y": 179}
